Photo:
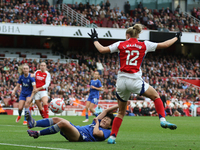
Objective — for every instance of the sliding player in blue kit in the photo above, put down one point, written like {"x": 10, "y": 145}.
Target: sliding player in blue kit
{"x": 99, "y": 130}
{"x": 95, "y": 87}
{"x": 28, "y": 84}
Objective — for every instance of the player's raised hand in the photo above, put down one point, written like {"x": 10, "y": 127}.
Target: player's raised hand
{"x": 93, "y": 35}
{"x": 96, "y": 120}
{"x": 178, "y": 34}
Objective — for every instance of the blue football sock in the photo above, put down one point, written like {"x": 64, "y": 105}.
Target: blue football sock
{"x": 44, "y": 122}
{"x": 86, "y": 115}
{"x": 96, "y": 114}
{"x": 51, "y": 130}
{"x": 26, "y": 110}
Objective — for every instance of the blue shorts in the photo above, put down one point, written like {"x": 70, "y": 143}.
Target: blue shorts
{"x": 24, "y": 96}
{"x": 93, "y": 100}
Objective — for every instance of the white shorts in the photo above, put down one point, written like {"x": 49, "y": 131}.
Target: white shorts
{"x": 40, "y": 94}
{"x": 125, "y": 86}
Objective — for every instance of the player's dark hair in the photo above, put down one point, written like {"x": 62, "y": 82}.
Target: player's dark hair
{"x": 134, "y": 31}
{"x": 111, "y": 116}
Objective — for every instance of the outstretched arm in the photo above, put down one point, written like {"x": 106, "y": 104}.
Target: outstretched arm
{"x": 168, "y": 43}
{"x": 100, "y": 48}
{"x": 101, "y": 115}
{"x": 94, "y": 36}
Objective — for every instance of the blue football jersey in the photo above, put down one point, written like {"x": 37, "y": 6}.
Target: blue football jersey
{"x": 26, "y": 83}
{"x": 87, "y": 132}
{"x": 94, "y": 92}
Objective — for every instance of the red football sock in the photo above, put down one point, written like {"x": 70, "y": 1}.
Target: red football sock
{"x": 46, "y": 110}
{"x": 116, "y": 125}
{"x": 159, "y": 107}
{"x": 42, "y": 113}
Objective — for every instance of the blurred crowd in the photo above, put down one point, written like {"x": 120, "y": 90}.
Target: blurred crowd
{"x": 70, "y": 81}
{"x": 40, "y": 12}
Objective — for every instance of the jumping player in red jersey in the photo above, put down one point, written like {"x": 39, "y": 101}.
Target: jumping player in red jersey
{"x": 42, "y": 79}
{"x": 131, "y": 53}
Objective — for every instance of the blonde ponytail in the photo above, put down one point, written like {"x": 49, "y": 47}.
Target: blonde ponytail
{"x": 134, "y": 31}
{"x": 20, "y": 69}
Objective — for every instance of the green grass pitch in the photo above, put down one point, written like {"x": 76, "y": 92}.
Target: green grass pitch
{"x": 136, "y": 133}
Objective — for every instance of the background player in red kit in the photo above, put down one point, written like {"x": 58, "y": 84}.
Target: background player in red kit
{"x": 42, "y": 79}
{"x": 129, "y": 80}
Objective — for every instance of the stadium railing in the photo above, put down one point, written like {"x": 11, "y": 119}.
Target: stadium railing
{"x": 64, "y": 61}
{"x": 69, "y": 12}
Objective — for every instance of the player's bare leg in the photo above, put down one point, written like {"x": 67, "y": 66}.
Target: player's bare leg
{"x": 20, "y": 108}
{"x": 68, "y": 131}
{"x": 91, "y": 107}
{"x": 57, "y": 124}
{"x": 153, "y": 95}
{"x": 117, "y": 121}
{"x": 86, "y": 111}
{"x": 45, "y": 104}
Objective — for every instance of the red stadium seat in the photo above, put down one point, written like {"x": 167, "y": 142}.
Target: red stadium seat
{"x": 110, "y": 24}
{"x": 44, "y": 56}
{"x": 187, "y": 112}
{"x": 198, "y": 111}
{"x": 23, "y": 55}
{"x": 2, "y": 55}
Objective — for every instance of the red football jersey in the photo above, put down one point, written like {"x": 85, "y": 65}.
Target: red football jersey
{"x": 131, "y": 55}
{"x": 42, "y": 79}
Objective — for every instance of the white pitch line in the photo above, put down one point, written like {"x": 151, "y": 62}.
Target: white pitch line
{"x": 33, "y": 146}
{"x": 13, "y": 125}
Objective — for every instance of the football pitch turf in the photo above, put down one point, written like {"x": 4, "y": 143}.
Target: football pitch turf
{"x": 136, "y": 133}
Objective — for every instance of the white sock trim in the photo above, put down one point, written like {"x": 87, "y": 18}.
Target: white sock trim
{"x": 162, "y": 119}
{"x": 113, "y": 137}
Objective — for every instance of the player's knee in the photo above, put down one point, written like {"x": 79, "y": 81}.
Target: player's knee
{"x": 122, "y": 113}
{"x": 62, "y": 124}
{"x": 20, "y": 108}
{"x": 55, "y": 120}
{"x": 155, "y": 96}
{"x": 26, "y": 106}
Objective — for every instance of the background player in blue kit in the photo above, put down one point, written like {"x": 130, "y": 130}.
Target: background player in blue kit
{"x": 95, "y": 87}
{"x": 28, "y": 84}
{"x": 99, "y": 130}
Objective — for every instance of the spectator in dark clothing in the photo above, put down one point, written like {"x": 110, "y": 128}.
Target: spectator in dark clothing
{"x": 145, "y": 111}
{"x": 180, "y": 110}
{"x": 163, "y": 98}
{"x": 136, "y": 110}
{"x": 127, "y": 7}
{"x": 140, "y": 5}
{"x": 175, "y": 111}
{"x": 168, "y": 11}
{"x": 107, "y": 4}
{"x": 153, "y": 110}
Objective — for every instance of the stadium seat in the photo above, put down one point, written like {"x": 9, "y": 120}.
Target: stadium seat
{"x": 198, "y": 111}
{"x": 187, "y": 112}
